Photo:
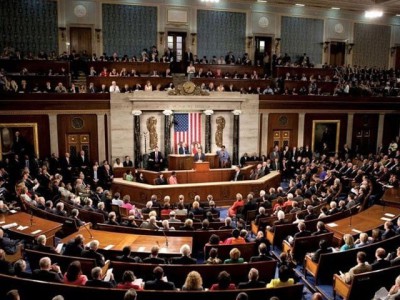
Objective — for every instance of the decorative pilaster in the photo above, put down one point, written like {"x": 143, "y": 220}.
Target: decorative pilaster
{"x": 137, "y": 151}
{"x": 208, "y": 114}
{"x": 349, "y": 137}
{"x": 167, "y": 132}
{"x": 381, "y": 124}
{"x": 53, "y": 134}
{"x": 235, "y": 152}
{"x": 101, "y": 140}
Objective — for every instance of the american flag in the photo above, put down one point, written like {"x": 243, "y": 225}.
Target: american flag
{"x": 187, "y": 128}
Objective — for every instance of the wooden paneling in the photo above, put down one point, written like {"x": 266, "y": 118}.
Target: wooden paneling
{"x": 65, "y": 127}
{"x": 223, "y": 192}
{"x": 81, "y": 39}
{"x": 282, "y": 122}
{"x": 309, "y": 118}
{"x": 365, "y": 130}
{"x": 43, "y": 129}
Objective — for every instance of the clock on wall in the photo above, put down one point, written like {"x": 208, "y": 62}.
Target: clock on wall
{"x": 189, "y": 87}
{"x": 80, "y": 11}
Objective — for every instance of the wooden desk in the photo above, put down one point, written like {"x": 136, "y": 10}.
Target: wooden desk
{"x": 224, "y": 192}
{"x": 185, "y": 162}
{"x": 140, "y": 244}
{"x": 364, "y": 221}
{"x": 46, "y": 227}
{"x": 391, "y": 197}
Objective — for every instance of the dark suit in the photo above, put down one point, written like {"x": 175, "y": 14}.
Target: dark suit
{"x": 261, "y": 257}
{"x": 73, "y": 249}
{"x": 99, "y": 258}
{"x": 100, "y": 283}
{"x": 159, "y": 285}
{"x": 183, "y": 260}
{"x": 238, "y": 176}
{"x": 183, "y": 150}
{"x": 380, "y": 264}
{"x": 154, "y": 260}
{"x": 43, "y": 248}
{"x": 127, "y": 163}
{"x": 254, "y": 284}
{"x": 46, "y": 275}
{"x": 5, "y": 267}
{"x": 198, "y": 157}
{"x": 155, "y": 161}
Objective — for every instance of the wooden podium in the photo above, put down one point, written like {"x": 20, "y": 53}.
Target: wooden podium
{"x": 180, "y": 162}
{"x": 203, "y": 166}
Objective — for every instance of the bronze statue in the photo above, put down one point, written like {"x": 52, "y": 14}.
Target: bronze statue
{"x": 151, "y": 127}
{"x": 219, "y": 134}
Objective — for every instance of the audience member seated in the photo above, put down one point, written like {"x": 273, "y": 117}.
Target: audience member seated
{"x": 74, "y": 274}
{"x": 380, "y": 262}
{"x": 193, "y": 282}
{"x": 253, "y": 282}
{"x": 185, "y": 259}
{"x": 213, "y": 258}
{"x": 283, "y": 280}
{"x": 235, "y": 239}
{"x": 127, "y": 282}
{"x": 97, "y": 281}
{"x": 5, "y": 266}
{"x": 158, "y": 283}
{"x": 93, "y": 253}
{"x": 41, "y": 245}
{"x": 361, "y": 267}
{"x": 126, "y": 256}
{"x": 262, "y": 254}
{"x": 224, "y": 282}
{"x": 234, "y": 257}
{"x": 153, "y": 258}
{"x": 47, "y": 271}
{"x": 323, "y": 248}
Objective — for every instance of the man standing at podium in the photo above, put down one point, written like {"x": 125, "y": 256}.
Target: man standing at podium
{"x": 183, "y": 148}
{"x": 155, "y": 160}
{"x": 199, "y": 156}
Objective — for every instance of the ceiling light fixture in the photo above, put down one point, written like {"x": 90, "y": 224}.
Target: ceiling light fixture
{"x": 300, "y": 4}
{"x": 335, "y": 8}
{"x": 373, "y": 14}
{"x": 210, "y": 1}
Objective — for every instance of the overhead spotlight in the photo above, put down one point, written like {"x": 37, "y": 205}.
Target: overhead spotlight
{"x": 373, "y": 14}
{"x": 335, "y": 8}
{"x": 210, "y": 1}
{"x": 300, "y": 4}
{"x": 262, "y": 1}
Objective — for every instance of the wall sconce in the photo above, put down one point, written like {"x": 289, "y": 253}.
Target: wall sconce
{"x": 249, "y": 41}
{"x": 193, "y": 37}
{"x": 161, "y": 33}
{"x": 392, "y": 50}
{"x": 326, "y": 45}
{"x": 62, "y": 29}
{"x": 350, "y": 48}
{"x": 98, "y": 30}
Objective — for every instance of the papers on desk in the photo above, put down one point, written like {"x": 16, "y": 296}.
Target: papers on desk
{"x": 108, "y": 275}
{"x": 59, "y": 247}
{"x": 11, "y": 225}
{"x": 386, "y": 219}
{"x": 138, "y": 281}
{"x": 20, "y": 227}
{"x": 165, "y": 278}
{"x": 356, "y": 230}
{"x": 108, "y": 247}
{"x": 36, "y": 231}
{"x": 389, "y": 215}
{"x": 13, "y": 211}
{"x": 141, "y": 249}
{"x": 332, "y": 224}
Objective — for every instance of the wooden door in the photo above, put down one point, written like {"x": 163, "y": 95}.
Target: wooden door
{"x": 77, "y": 142}
{"x": 177, "y": 42}
{"x": 337, "y": 53}
{"x": 281, "y": 138}
{"x": 81, "y": 39}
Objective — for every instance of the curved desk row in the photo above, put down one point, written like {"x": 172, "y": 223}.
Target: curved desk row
{"x": 223, "y": 192}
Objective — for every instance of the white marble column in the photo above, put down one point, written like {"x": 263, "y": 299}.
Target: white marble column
{"x": 101, "y": 137}
{"x": 350, "y": 121}
{"x": 264, "y": 134}
{"x": 381, "y": 123}
{"x": 53, "y": 133}
{"x": 300, "y": 130}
